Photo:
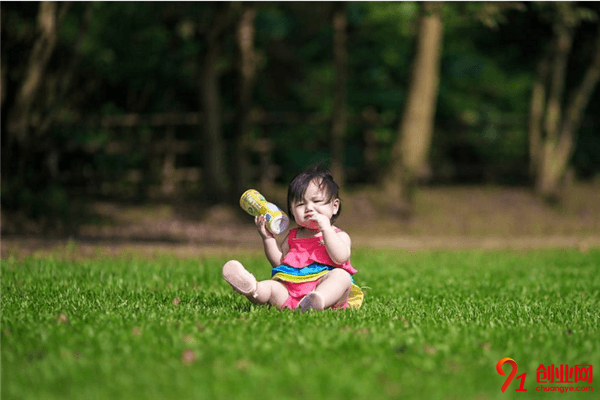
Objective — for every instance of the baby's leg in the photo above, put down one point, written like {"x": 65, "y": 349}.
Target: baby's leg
{"x": 272, "y": 292}
{"x": 244, "y": 282}
{"x": 333, "y": 289}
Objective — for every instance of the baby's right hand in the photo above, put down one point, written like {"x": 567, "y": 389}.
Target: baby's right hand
{"x": 261, "y": 225}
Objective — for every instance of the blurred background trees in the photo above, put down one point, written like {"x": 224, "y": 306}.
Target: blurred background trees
{"x": 555, "y": 122}
{"x": 410, "y": 152}
{"x": 201, "y": 100}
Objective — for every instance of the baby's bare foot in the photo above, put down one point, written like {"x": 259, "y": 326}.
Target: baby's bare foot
{"x": 237, "y": 276}
{"x": 312, "y": 301}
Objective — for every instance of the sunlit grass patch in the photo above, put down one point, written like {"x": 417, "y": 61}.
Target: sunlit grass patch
{"x": 433, "y": 325}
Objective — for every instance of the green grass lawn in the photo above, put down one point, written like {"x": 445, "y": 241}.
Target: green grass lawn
{"x": 433, "y": 326}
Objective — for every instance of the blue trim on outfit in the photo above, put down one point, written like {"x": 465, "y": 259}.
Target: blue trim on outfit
{"x": 313, "y": 268}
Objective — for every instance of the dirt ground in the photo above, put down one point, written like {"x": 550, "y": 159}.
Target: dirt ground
{"x": 485, "y": 217}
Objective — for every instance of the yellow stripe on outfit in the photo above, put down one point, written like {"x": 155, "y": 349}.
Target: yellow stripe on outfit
{"x": 311, "y": 273}
{"x": 298, "y": 278}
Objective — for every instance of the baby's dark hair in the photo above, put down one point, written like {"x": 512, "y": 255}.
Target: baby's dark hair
{"x": 300, "y": 183}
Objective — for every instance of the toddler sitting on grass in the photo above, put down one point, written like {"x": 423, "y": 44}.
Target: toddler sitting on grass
{"x": 311, "y": 268}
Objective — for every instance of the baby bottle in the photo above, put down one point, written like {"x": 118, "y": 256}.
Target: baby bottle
{"x": 255, "y": 204}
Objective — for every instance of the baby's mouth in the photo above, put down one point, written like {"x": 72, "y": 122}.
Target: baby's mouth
{"x": 309, "y": 220}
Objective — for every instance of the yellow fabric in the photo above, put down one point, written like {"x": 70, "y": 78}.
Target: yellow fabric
{"x": 282, "y": 276}
{"x": 356, "y": 297}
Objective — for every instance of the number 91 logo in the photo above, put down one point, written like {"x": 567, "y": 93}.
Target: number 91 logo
{"x": 513, "y": 364}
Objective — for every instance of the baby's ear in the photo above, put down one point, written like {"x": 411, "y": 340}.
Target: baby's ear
{"x": 336, "y": 205}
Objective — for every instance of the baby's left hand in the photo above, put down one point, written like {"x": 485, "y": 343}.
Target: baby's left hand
{"x": 322, "y": 221}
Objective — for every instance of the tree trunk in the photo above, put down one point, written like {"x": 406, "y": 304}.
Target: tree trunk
{"x": 49, "y": 19}
{"x": 410, "y": 152}
{"x": 581, "y": 97}
{"x": 560, "y": 128}
{"x": 247, "y": 77}
{"x": 338, "y": 129}
{"x": 50, "y": 15}
{"x": 214, "y": 173}
{"x": 536, "y": 115}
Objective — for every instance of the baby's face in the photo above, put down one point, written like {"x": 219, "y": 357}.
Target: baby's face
{"x": 315, "y": 201}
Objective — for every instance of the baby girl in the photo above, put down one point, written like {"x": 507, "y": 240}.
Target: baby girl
{"x": 311, "y": 267}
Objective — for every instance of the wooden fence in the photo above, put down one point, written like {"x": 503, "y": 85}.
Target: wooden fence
{"x": 157, "y": 139}
{"x": 163, "y": 139}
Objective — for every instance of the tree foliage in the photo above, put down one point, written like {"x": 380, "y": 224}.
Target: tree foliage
{"x": 113, "y": 59}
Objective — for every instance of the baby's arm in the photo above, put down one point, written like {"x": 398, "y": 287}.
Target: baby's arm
{"x": 338, "y": 244}
{"x": 272, "y": 251}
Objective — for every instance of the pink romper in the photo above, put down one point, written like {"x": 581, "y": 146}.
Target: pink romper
{"x": 303, "y": 267}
